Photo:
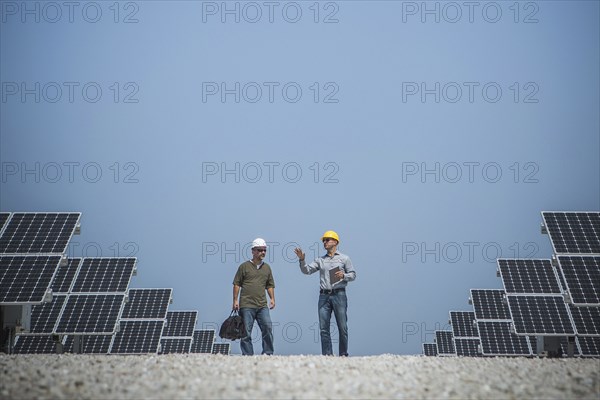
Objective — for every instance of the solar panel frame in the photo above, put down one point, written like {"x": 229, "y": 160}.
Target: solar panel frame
{"x": 528, "y": 276}
{"x": 582, "y": 278}
{"x": 467, "y": 347}
{"x": 463, "y": 324}
{"x": 169, "y": 345}
{"x": 91, "y": 314}
{"x": 497, "y": 339}
{"x": 203, "y": 341}
{"x": 586, "y": 320}
{"x": 4, "y": 217}
{"x": 444, "y": 341}
{"x": 104, "y": 275}
{"x": 573, "y": 232}
{"x": 535, "y": 315}
{"x": 65, "y": 276}
{"x": 180, "y": 323}
{"x": 489, "y": 304}
{"x": 26, "y": 279}
{"x": 221, "y": 348}
{"x": 31, "y": 233}
{"x": 429, "y": 349}
{"x": 145, "y": 303}
{"x": 138, "y": 337}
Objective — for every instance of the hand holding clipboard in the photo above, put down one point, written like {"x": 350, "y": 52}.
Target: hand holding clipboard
{"x": 335, "y": 275}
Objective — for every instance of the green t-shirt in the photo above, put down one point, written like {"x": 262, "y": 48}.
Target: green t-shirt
{"x": 253, "y": 282}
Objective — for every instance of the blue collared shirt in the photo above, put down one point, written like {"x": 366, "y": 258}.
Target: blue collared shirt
{"x": 324, "y": 264}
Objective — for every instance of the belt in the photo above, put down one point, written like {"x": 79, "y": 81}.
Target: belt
{"x": 331, "y": 291}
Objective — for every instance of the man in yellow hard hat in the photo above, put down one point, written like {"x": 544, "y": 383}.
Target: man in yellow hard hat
{"x": 336, "y": 270}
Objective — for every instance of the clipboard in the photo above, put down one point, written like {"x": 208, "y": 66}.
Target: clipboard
{"x": 332, "y": 278}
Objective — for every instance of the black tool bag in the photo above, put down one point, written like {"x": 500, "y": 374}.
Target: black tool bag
{"x": 233, "y": 327}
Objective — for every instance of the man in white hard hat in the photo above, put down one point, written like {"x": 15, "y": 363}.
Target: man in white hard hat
{"x": 254, "y": 277}
{"x": 336, "y": 270}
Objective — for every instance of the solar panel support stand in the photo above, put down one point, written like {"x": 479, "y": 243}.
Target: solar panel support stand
{"x": 17, "y": 317}
{"x": 78, "y": 344}
{"x": 549, "y": 346}
{"x": 59, "y": 347}
{"x": 571, "y": 346}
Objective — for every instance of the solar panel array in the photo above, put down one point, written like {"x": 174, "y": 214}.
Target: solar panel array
{"x": 544, "y": 302}
{"x": 83, "y": 304}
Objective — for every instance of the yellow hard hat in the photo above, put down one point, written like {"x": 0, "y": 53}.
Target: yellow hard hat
{"x": 331, "y": 235}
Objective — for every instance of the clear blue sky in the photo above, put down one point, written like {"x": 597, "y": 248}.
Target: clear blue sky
{"x": 429, "y": 139}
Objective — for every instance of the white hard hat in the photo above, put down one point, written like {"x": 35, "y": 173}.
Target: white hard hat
{"x": 258, "y": 242}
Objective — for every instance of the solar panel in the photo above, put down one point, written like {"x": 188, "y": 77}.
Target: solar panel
{"x": 430, "y": 349}
{"x": 589, "y": 346}
{"x": 564, "y": 343}
{"x": 180, "y": 323}
{"x": 573, "y": 232}
{"x": 540, "y": 315}
{"x": 582, "y": 277}
{"x": 467, "y": 347}
{"x": 586, "y": 319}
{"x": 445, "y": 343}
{"x": 528, "y": 276}
{"x": 35, "y": 345}
{"x": 104, "y": 275}
{"x": 65, "y": 275}
{"x": 138, "y": 337}
{"x": 221, "y": 348}
{"x": 91, "y": 314}
{"x": 463, "y": 324}
{"x": 147, "y": 304}
{"x": 45, "y": 233}
{"x": 172, "y": 345}
{"x": 92, "y": 344}
{"x": 489, "y": 304}
{"x": 203, "y": 341}
{"x": 3, "y": 218}
{"x": 45, "y": 315}
{"x": 498, "y": 340}
{"x": 26, "y": 279}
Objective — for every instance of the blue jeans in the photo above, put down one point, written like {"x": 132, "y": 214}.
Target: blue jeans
{"x": 338, "y": 303}
{"x": 262, "y": 316}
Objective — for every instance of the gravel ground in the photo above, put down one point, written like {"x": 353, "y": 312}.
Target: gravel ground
{"x": 181, "y": 376}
